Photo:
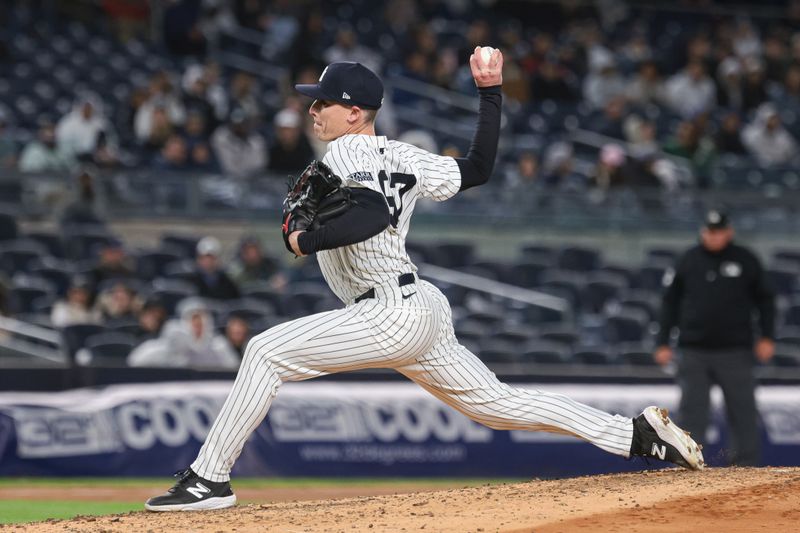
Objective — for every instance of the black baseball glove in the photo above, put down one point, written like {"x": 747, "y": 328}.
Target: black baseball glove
{"x": 315, "y": 197}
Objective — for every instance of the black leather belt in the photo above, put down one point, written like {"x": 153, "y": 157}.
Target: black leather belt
{"x": 402, "y": 281}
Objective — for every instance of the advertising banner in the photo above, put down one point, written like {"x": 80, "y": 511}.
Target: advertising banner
{"x": 334, "y": 429}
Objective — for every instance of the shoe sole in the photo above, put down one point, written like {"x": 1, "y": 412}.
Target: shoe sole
{"x": 221, "y": 502}
{"x": 668, "y": 431}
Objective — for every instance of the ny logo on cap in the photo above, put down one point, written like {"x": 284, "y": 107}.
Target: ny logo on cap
{"x": 345, "y": 96}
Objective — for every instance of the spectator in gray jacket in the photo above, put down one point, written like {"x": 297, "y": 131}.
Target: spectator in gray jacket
{"x": 189, "y": 341}
{"x": 768, "y": 140}
{"x": 691, "y": 91}
{"x": 241, "y": 152}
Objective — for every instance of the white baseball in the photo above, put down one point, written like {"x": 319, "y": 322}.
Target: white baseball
{"x": 486, "y": 53}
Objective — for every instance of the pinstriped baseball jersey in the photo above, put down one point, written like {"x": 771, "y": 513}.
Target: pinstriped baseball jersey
{"x": 402, "y": 173}
{"x": 408, "y": 328}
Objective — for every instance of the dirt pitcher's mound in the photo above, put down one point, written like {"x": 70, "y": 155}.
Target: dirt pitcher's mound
{"x": 724, "y": 500}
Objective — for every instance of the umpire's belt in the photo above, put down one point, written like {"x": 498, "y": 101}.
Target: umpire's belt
{"x": 402, "y": 281}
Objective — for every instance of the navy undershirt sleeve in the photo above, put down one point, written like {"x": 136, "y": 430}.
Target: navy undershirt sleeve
{"x": 368, "y": 216}
{"x": 477, "y": 166}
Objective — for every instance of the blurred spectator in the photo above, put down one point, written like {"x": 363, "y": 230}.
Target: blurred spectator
{"x": 210, "y": 279}
{"x": 611, "y": 121}
{"x": 346, "y": 48}
{"x": 280, "y": 29}
{"x": 216, "y": 94}
{"x": 129, "y": 17}
{"x": 240, "y": 151}
{"x": 118, "y": 304}
{"x": 189, "y": 341}
{"x": 291, "y": 150}
{"x": 767, "y": 139}
{"x": 559, "y": 167}
{"x": 252, "y": 264}
{"x": 82, "y": 210}
{"x": 244, "y": 96}
{"x": 603, "y": 83}
{"x": 8, "y": 147}
{"x": 787, "y": 95}
{"x": 76, "y": 308}
{"x": 550, "y": 83}
{"x": 43, "y": 155}
{"x": 237, "y": 333}
{"x": 195, "y": 98}
{"x": 78, "y": 132}
{"x": 729, "y": 139}
{"x": 182, "y": 31}
{"x": 698, "y": 149}
{"x": 646, "y": 86}
{"x": 754, "y": 89}
{"x": 173, "y": 156}
{"x": 113, "y": 263}
{"x": 641, "y": 136}
{"x": 691, "y": 91}
{"x": 525, "y": 173}
{"x": 730, "y": 92}
{"x": 776, "y": 58}
{"x": 251, "y": 14}
{"x": 610, "y": 171}
{"x": 151, "y": 318}
{"x": 162, "y": 110}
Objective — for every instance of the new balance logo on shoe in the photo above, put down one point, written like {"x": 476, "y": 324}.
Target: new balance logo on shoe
{"x": 345, "y": 96}
{"x": 198, "y": 490}
{"x": 661, "y": 453}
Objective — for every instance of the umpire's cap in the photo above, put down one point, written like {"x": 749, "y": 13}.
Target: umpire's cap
{"x": 717, "y": 219}
{"x": 347, "y": 83}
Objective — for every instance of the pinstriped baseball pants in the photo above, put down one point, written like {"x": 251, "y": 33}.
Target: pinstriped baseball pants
{"x": 411, "y": 334}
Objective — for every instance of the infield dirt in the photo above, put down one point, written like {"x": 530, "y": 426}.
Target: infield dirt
{"x": 658, "y": 501}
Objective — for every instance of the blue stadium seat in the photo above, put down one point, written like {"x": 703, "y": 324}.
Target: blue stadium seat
{"x": 453, "y": 254}
{"x": 253, "y": 311}
{"x": 599, "y": 290}
{"x": 539, "y": 253}
{"x": 651, "y": 276}
{"x": 628, "y": 326}
{"x": 783, "y": 281}
{"x": 108, "y": 349}
{"x": 152, "y": 264}
{"x": 74, "y": 337}
{"x": 545, "y": 352}
{"x": 636, "y": 354}
{"x": 8, "y": 226}
{"x": 563, "y": 334}
{"x": 527, "y": 274}
{"x": 50, "y": 241}
{"x": 187, "y": 244}
{"x": 787, "y": 257}
{"x": 579, "y": 259}
{"x": 19, "y": 255}
{"x": 594, "y": 355}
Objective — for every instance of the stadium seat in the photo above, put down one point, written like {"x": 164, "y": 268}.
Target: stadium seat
{"x": 249, "y": 309}
{"x": 578, "y": 259}
{"x": 593, "y": 355}
{"x": 59, "y": 277}
{"x": 627, "y": 326}
{"x": 171, "y": 291}
{"x": 527, "y": 274}
{"x": 8, "y": 226}
{"x": 187, "y": 244}
{"x": 80, "y": 243}
{"x": 30, "y": 299}
{"x": 499, "y": 351}
{"x": 545, "y": 352}
{"x": 783, "y": 281}
{"x": 19, "y": 255}
{"x": 75, "y": 335}
{"x": 651, "y": 276}
{"x": 661, "y": 255}
{"x": 453, "y": 255}
{"x": 635, "y": 354}
{"x": 539, "y": 253}
{"x": 787, "y": 257}
{"x": 50, "y": 241}
{"x": 564, "y": 284}
{"x": 152, "y": 264}
{"x": 107, "y": 349}
{"x": 600, "y": 288}
{"x": 563, "y": 334}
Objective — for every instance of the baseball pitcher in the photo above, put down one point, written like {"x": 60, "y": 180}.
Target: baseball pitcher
{"x": 353, "y": 210}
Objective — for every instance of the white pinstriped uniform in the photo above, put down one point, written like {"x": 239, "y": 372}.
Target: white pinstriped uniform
{"x": 406, "y": 328}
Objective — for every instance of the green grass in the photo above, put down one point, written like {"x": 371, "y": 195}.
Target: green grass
{"x": 16, "y": 511}
{"x": 253, "y": 482}
{"x": 13, "y": 511}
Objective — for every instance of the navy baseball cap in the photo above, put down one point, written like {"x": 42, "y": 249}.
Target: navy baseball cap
{"x": 347, "y": 83}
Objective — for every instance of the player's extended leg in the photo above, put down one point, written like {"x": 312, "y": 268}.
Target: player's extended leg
{"x": 456, "y": 376}
{"x": 365, "y": 335}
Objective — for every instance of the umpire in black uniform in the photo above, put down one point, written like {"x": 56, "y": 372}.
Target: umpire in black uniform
{"x": 715, "y": 295}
